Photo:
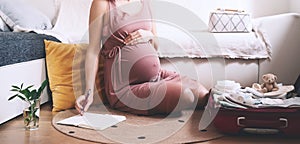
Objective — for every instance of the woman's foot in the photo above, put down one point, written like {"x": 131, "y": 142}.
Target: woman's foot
{"x": 203, "y": 95}
{"x": 203, "y": 102}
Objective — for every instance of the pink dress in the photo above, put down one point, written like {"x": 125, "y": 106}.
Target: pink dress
{"x": 134, "y": 80}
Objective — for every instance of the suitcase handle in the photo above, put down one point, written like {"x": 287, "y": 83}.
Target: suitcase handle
{"x": 280, "y": 123}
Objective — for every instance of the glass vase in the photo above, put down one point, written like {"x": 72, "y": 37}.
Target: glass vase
{"x": 31, "y": 115}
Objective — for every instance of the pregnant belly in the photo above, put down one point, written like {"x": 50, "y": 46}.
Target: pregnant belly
{"x": 142, "y": 63}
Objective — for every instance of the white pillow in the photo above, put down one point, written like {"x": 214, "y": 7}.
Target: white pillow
{"x": 73, "y": 20}
{"x": 173, "y": 42}
{"x": 47, "y": 7}
{"x": 18, "y": 14}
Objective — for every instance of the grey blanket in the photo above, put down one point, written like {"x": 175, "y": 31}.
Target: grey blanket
{"x": 16, "y": 47}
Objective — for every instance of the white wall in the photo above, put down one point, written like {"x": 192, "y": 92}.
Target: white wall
{"x": 202, "y": 8}
{"x": 295, "y": 6}
{"x": 257, "y": 8}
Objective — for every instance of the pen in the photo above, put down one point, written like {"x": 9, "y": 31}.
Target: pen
{"x": 85, "y": 100}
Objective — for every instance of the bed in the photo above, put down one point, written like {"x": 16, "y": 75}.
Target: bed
{"x": 22, "y": 60}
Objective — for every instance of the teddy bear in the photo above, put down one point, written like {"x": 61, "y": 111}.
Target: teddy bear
{"x": 269, "y": 84}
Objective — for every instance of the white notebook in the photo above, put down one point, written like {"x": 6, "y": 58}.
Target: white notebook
{"x": 93, "y": 121}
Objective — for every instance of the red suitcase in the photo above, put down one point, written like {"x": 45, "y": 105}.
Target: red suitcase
{"x": 282, "y": 121}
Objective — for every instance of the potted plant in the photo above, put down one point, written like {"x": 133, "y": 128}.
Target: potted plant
{"x": 32, "y": 97}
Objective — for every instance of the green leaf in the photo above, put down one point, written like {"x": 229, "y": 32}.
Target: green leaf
{"x": 16, "y": 87}
{"x": 29, "y": 87}
{"x": 33, "y": 95}
{"x": 26, "y": 93}
{"x": 14, "y": 90}
{"x": 43, "y": 85}
{"x": 22, "y": 98}
{"x": 12, "y": 97}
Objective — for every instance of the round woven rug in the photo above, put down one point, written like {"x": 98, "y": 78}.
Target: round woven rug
{"x": 141, "y": 129}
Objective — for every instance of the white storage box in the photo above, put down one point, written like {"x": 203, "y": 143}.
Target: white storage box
{"x": 229, "y": 21}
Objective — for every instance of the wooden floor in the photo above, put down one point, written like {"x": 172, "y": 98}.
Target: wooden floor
{"x": 12, "y": 132}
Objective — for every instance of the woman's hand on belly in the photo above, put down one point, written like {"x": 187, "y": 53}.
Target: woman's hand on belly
{"x": 139, "y": 36}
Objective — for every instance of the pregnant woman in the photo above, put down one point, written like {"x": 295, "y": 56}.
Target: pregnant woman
{"x": 134, "y": 80}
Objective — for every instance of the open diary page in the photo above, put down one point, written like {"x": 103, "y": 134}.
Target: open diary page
{"x": 93, "y": 121}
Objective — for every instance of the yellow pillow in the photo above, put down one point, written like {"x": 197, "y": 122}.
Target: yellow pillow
{"x": 65, "y": 67}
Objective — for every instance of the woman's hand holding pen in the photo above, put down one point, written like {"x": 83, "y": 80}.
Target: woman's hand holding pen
{"x": 83, "y": 102}
{"x": 138, "y": 36}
